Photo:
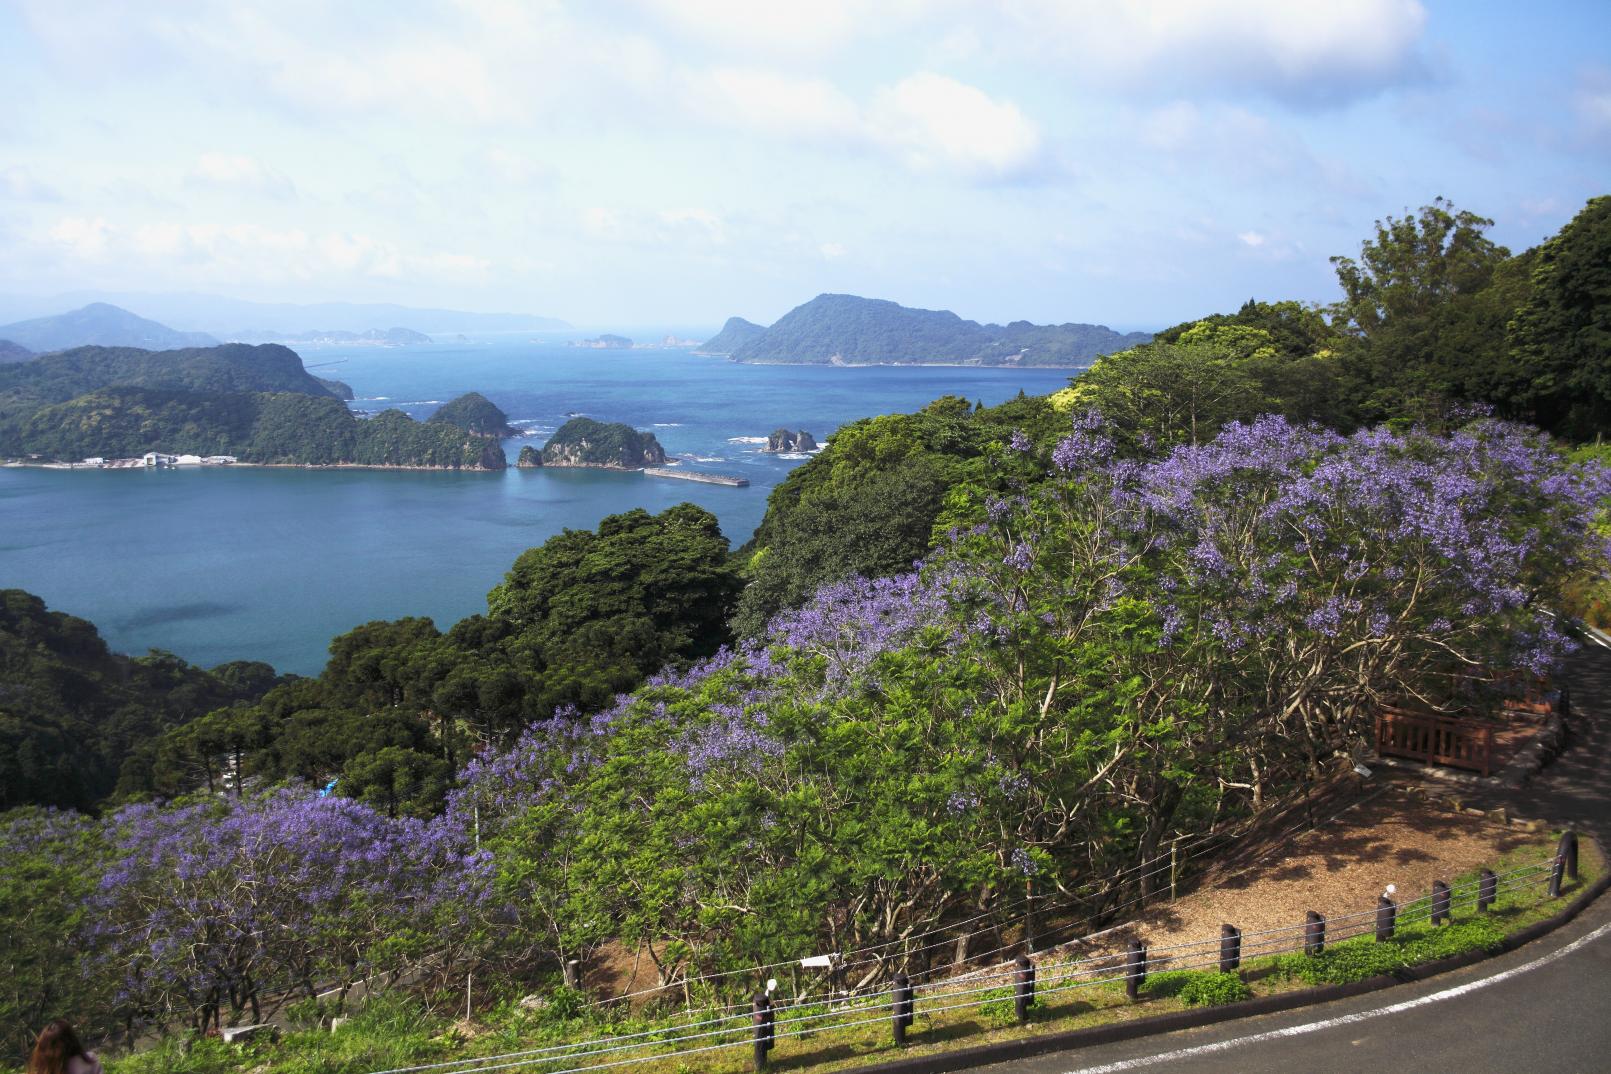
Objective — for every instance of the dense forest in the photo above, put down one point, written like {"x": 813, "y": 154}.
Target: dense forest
{"x": 610, "y": 445}
{"x": 852, "y": 329}
{"x": 969, "y": 656}
{"x": 71, "y": 711}
{"x": 475, "y": 414}
{"x": 255, "y": 403}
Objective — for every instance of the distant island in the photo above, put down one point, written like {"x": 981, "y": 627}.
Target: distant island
{"x": 606, "y": 342}
{"x": 99, "y": 324}
{"x": 477, "y": 415}
{"x": 583, "y": 442}
{"x": 237, "y": 402}
{"x": 375, "y": 337}
{"x": 850, "y": 330}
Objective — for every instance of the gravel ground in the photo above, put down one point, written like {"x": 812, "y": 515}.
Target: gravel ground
{"x": 1338, "y": 869}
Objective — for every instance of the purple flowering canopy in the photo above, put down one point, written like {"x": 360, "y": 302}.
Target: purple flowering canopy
{"x": 1125, "y": 651}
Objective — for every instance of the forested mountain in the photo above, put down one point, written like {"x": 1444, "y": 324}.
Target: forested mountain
{"x": 99, "y": 324}
{"x": 607, "y": 445}
{"x": 847, "y": 329}
{"x": 734, "y": 334}
{"x": 254, "y": 402}
{"x": 475, "y": 414}
{"x": 258, "y": 427}
{"x": 13, "y": 352}
{"x": 231, "y": 367}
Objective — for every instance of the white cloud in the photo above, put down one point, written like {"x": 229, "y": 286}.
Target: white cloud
{"x": 691, "y": 224}
{"x": 241, "y": 171}
{"x": 1252, "y": 238}
{"x": 831, "y": 251}
{"x": 927, "y": 121}
{"x": 255, "y": 253}
{"x": 1222, "y": 139}
{"x": 774, "y": 103}
{"x": 683, "y": 228}
{"x": 83, "y": 237}
{"x": 938, "y": 123}
{"x": 19, "y": 182}
{"x": 1305, "y": 52}
{"x": 784, "y": 27}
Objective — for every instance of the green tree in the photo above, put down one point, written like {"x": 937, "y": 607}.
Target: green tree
{"x": 1404, "y": 302}
{"x": 646, "y": 588}
{"x": 1172, "y": 393}
{"x": 1562, "y": 335}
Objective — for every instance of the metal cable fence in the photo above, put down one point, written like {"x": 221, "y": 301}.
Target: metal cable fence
{"x": 763, "y": 1024}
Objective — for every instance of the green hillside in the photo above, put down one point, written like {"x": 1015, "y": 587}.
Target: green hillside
{"x": 847, "y": 329}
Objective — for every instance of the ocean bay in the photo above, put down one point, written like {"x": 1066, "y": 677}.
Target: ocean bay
{"x": 270, "y": 563}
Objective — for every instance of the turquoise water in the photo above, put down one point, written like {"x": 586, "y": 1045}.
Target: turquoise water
{"x": 270, "y": 564}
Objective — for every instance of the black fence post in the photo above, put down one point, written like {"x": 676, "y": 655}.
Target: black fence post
{"x": 1487, "y": 890}
{"x": 763, "y": 1028}
{"x": 1386, "y": 918}
{"x": 1135, "y": 968}
{"x": 903, "y": 1007}
{"x": 1567, "y": 852}
{"x": 1440, "y": 903}
{"x": 1024, "y": 988}
{"x": 1557, "y": 869}
{"x": 1230, "y": 948}
{"x": 1314, "y": 934}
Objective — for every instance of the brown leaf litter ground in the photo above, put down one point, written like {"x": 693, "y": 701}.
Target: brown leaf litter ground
{"x": 1339, "y": 868}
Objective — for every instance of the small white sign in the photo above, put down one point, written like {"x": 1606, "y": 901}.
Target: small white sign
{"x": 819, "y": 962}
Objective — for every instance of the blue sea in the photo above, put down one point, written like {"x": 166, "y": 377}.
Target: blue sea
{"x": 270, "y": 564}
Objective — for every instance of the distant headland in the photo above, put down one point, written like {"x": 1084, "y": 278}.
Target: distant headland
{"x": 252, "y": 404}
{"x": 850, "y": 330}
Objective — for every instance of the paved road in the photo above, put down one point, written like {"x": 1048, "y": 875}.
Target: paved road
{"x": 1544, "y": 1008}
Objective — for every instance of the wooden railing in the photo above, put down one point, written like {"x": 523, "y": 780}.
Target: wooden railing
{"x": 1441, "y": 740}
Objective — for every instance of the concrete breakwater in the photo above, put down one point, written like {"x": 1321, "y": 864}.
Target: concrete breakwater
{"x": 693, "y": 475}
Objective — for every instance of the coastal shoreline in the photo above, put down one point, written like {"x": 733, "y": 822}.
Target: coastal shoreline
{"x": 12, "y": 464}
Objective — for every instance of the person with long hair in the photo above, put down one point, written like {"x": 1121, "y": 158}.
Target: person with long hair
{"x": 58, "y": 1051}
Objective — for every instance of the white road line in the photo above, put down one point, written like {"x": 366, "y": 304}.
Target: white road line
{"x": 1347, "y": 1019}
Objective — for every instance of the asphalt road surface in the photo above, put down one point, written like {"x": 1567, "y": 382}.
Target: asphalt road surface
{"x": 1542, "y": 1009}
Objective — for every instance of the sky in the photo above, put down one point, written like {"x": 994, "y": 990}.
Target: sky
{"x": 626, "y": 162}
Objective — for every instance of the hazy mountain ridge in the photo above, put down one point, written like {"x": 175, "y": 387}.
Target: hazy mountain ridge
{"x": 391, "y": 337}
{"x": 102, "y": 325}
{"x": 734, "y": 334}
{"x": 851, "y": 330}
{"x": 224, "y": 316}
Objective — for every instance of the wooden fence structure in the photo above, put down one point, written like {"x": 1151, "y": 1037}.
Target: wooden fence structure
{"x": 1445, "y": 740}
